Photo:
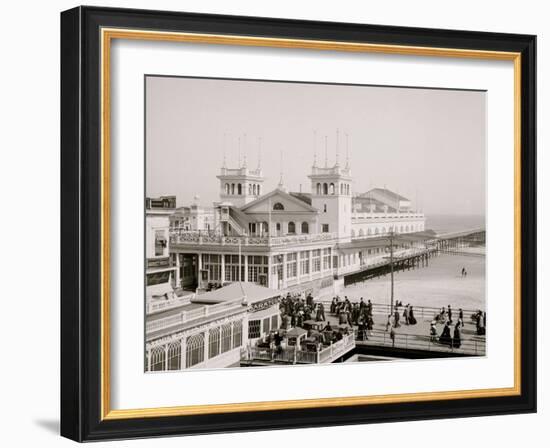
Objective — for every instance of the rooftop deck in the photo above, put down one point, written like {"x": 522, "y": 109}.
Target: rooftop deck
{"x": 256, "y": 356}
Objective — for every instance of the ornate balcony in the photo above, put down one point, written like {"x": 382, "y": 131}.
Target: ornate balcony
{"x": 200, "y": 238}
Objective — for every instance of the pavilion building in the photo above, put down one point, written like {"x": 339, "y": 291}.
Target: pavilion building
{"x": 291, "y": 241}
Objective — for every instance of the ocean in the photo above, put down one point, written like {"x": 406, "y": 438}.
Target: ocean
{"x": 452, "y": 223}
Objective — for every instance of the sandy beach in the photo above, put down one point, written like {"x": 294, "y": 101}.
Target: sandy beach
{"x": 438, "y": 285}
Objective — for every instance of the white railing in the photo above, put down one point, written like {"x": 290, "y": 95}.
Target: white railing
{"x": 382, "y": 215}
{"x": 157, "y": 305}
{"x": 206, "y": 239}
{"x": 337, "y": 349}
{"x": 292, "y": 356}
{"x": 189, "y": 315}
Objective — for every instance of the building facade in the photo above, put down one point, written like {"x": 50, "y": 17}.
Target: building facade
{"x": 288, "y": 240}
{"x": 210, "y": 330}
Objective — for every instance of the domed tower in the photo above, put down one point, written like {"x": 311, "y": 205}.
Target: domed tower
{"x": 331, "y": 194}
{"x": 241, "y": 185}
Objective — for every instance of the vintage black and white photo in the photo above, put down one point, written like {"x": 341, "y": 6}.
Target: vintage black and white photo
{"x": 295, "y": 223}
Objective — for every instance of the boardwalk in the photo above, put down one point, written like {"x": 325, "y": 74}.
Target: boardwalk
{"x": 416, "y": 337}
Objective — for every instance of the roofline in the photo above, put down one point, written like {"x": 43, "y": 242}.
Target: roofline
{"x": 282, "y": 192}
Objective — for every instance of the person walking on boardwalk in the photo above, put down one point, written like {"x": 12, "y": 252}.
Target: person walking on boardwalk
{"x": 461, "y": 317}
{"x": 445, "y": 337}
{"x": 406, "y": 315}
{"x": 450, "y": 314}
{"x": 370, "y": 323}
{"x": 433, "y": 332}
{"x": 457, "y": 336}
{"x": 412, "y": 319}
{"x": 388, "y": 322}
{"x": 396, "y": 319}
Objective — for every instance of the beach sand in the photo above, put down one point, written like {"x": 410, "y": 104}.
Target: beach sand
{"x": 440, "y": 284}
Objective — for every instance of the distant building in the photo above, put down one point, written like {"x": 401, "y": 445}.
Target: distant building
{"x": 160, "y": 273}
{"x": 193, "y": 218}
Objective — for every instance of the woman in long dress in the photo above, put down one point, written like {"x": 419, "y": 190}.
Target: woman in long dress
{"x": 412, "y": 319}
{"x": 457, "y": 336}
{"x": 445, "y": 337}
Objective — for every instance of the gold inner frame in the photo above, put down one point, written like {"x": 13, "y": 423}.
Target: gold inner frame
{"x": 107, "y": 35}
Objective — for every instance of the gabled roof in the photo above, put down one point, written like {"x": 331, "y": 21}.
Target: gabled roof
{"x": 306, "y": 197}
{"x": 386, "y": 192}
{"x": 282, "y": 193}
{"x": 235, "y": 292}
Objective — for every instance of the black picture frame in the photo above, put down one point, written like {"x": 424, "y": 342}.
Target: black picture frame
{"x": 81, "y": 224}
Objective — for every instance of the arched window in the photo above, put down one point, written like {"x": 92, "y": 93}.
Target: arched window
{"x": 361, "y": 232}
{"x": 331, "y": 189}
{"x": 341, "y": 188}
{"x": 239, "y": 189}
{"x": 325, "y": 188}
{"x": 250, "y": 189}
{"x": 347, "y": 189}
{"x": 214, "y": 342}
{"x": 157, "y": 358}
{"x": 174, "y": 355}
{"x": 232, "y": 188}
{"x": 291, "y": 227}
{"x": 352, "y": 233}
{"x": 324, "y": 208}
{"x": 376, "y": 231}
{"x": 253, "y": 190}
{"x": 195, "y": 350}
{"x": 305, "y": 227}
{"x": 226, "y": 188}
{"x": 265, "y": 228}
{"x": 278, "y": 206}
{"x": 369, "y": 232}
{"x": 318, "y": 188}
{"x": 258, "y": 190}
{"x": 226, "y": 337}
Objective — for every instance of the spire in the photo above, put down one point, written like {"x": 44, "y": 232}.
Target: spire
{"x": 347, "y": 151}
{"x": 259, "y": 153}
{"x": 239, "y": 163}
{"x": 224, "y": 164}
{"x": 281, "y": 183}
{"x": 337, "y": 146}
{"x": 314, "y": 149}
{"x": 244, "y": 150}
{"x": 326, "y": 151}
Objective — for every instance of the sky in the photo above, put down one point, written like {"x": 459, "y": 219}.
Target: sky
{"x": 426, "y": 144}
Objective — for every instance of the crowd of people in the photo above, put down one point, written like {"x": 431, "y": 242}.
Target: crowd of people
{"x": 295, "y": 310}
{"x": 359, "y": 314}
{"x": 300, "y": 311}
{"x": 394, "y": 320}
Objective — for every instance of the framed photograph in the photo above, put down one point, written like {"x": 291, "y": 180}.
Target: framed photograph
{"x": 273, "y": 223}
